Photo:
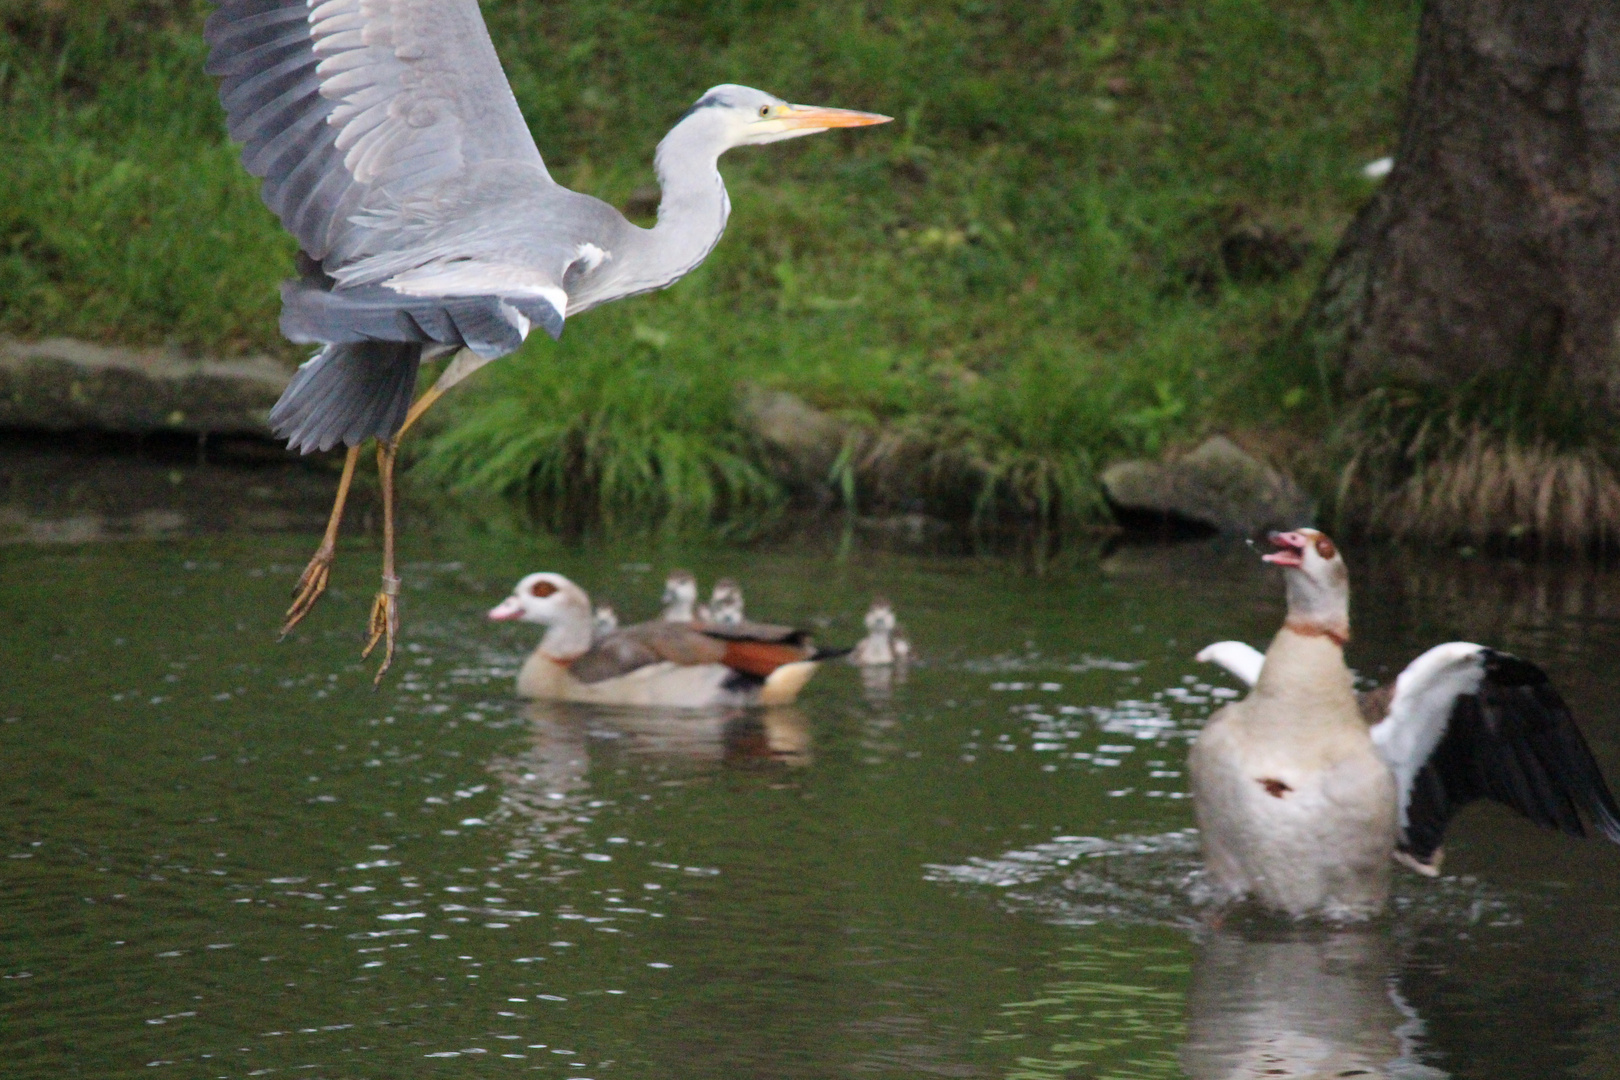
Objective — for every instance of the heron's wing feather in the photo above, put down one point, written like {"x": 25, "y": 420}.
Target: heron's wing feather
{"x": 1510, "y": 739}
{"x": 471, "y": 277}
{"x": 338, "y": 100}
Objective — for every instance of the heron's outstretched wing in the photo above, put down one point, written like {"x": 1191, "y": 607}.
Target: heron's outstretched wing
{"x": 1467, "y": 723}
{"x": 339, "y": 101}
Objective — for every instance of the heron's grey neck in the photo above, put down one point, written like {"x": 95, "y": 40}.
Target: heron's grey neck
{"x": 693, "y": 209}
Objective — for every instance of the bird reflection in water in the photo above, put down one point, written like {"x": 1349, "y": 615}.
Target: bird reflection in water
{"x": 548, "y": 780}
{"x": 1300, "y": 1002}
{"x": 878, "y": 682}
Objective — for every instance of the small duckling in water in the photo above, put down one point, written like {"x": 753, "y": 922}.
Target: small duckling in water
{"x": 604, "y": 620}
{"x": 726, "y": 603}
{"x": 884, "y": 643}
{"x": 680, "y": 596}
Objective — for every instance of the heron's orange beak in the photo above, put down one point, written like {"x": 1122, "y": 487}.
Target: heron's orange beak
{"x": 815, "y": 118}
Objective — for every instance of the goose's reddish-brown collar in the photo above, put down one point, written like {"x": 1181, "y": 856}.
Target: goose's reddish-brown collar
{"x": 1340, "y": 636}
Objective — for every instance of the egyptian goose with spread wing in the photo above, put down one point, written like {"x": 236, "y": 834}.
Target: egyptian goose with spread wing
{"x": 1305, "y": 788}
{"x": 653, "y": 664}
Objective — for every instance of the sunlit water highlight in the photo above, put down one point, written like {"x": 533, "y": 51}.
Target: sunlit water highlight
{"x": 225, "y": 857}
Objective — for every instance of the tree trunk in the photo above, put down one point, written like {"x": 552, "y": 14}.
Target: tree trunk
{"x": 1495, "y": 242}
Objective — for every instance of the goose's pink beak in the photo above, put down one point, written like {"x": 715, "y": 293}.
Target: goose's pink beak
{"x": 1291, "y": 549}
{"x": 507, "y": 610}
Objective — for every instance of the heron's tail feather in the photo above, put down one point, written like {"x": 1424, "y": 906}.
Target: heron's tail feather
{"x": 348, "y": 393}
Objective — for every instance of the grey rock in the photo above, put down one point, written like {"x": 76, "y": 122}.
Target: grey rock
{"x": 1217, "y": 484}
{"x": 60, "y": 384}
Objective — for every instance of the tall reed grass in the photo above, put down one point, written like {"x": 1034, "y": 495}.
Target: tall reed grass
{"x": 1491, "y": 465}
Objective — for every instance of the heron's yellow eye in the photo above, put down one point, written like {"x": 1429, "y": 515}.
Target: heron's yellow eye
{"x": 764, "y": 111}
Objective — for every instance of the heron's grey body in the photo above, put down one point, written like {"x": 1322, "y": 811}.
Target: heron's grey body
{"x": 392, "y": 148}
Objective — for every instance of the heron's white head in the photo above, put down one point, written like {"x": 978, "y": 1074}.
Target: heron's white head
{"x": 726, "y": 602}
{"x": 880, "y": 617}
{"x": 547, "y": 599}
{"x": 680, "y": 596}
{"x": 743, "y": 116}
{"x": 1318, "y": 582}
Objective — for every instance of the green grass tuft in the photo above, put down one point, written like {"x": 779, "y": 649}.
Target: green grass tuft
{"x": 626, "y": 437}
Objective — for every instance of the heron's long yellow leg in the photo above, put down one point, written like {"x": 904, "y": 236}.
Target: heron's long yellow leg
{"x": 418, "y": 407}
{"x": 312, "y": 583}
{"x": 385, "y": 608}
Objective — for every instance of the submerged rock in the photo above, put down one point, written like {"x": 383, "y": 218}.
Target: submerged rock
{"x": 60, "y": 384}
{"x": 1217, "y": 485}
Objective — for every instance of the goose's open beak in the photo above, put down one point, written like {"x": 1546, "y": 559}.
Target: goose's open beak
{"x": 813, "y": 118}
{"x": 1291, "y": 549}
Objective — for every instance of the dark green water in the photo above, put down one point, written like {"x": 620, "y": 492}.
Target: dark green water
{"x": 224, "y": 857}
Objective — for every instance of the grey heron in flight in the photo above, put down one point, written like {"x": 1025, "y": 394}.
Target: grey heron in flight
{"x": 392, "y": 149}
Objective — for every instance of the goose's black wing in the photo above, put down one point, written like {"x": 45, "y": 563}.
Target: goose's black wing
{"x": 1511, "y": 739}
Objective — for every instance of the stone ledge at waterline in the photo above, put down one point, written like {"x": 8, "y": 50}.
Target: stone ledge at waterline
{"x": 60, "y": 384}
{"x": 1217, "y": 485}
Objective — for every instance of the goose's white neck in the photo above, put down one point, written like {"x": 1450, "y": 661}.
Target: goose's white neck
{"x": 1318, "y": 608}
{"x": 568, "y": 638}
{"x": 1304, "y": 683}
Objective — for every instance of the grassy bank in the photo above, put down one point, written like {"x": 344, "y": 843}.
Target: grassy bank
{"x": 1083, "y": 238}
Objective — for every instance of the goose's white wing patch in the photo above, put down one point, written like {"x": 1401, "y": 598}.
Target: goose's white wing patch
{"x": 1240, "y": 660}
{"x": 1425, "y": 695}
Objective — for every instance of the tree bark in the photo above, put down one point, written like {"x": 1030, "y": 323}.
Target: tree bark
{"x": 1495, "y": 242}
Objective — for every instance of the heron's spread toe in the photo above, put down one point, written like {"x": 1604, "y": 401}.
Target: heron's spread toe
{"x": 384, "y": 626}
{"x": 311, "y": 586}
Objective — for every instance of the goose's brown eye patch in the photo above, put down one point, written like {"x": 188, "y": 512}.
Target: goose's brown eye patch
{"x": 1325, "y": 548}
{"x": 542, "y": 589}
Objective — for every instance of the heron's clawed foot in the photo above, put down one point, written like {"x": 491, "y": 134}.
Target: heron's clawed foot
{"x": 384, "y": 626}
{"x": 311, "y": 584}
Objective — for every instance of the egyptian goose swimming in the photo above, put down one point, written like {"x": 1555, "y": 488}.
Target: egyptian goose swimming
{"x": 680, "y": 597}
{"x": 726, "y": 603}
{"x": 1305, "y": 789}
{"x": 661, "y": 663}
{"x": 884, "y": 642}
